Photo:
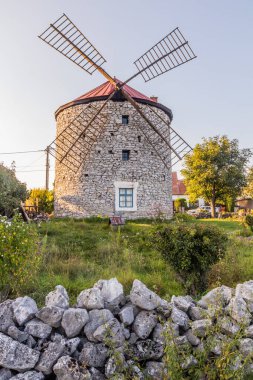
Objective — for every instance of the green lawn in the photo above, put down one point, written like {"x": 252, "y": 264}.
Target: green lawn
{"x": 80, "y": 252}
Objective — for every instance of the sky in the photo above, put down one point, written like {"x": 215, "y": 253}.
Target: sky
{"x": 211, "y": 95}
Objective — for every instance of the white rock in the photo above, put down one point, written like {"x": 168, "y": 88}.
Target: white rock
{"x": 144, "y": 323}
{"x": 24, "y": 309}
{"x": 182, "y": 303}
{"x": 5, "y": 374}
{"x": 30, "y": 375}
{"x": 97, "y": 318}
{"x": 68, "y": 368}
{"x": 111, "y": 331}
{"x": 144, "y": 298}
{"x": 200, "y": 328}
{"x": 74, "y": 320}
{"x": 90, "y": 299}
{"x": 180, "y": 318}
{"x": 126, "y": 315}
{"x": 38, "y": 329}
{"x": 6, "y": 315}
{"x": 245, "y": 291}
{"x": 218, "y": 297}
{"x": 111, "y": 290}
{"x": 237, "y": 309}
{"x": 50, "y": 356}
{"x": 15, "y": 355}
{"x": 246, "y": 347}
{"x": 58, "y": 297}
{"x": 51, "y": 315}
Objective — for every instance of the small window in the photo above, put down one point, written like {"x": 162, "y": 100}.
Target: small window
{"x": 125, "y": 119}
{"x": 110, "y": 151}
{"x": 125, "y": 155}
{"x": 139, "y": 138}
{"x": 98, "y": 151}
{"x": 86, "y": 175}
{"x": 126, "y": 198}
{"x": 112, "y": 134}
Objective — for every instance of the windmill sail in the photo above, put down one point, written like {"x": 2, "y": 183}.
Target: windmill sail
{"x": 73, "y": 145}
{"x": 68, "y": 40}
{"x": 170, "y": 52}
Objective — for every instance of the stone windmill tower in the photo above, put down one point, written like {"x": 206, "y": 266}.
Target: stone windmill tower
{"x": 115, "y": 147}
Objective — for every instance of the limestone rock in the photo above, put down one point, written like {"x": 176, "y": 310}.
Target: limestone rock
{"x": 180, "y": 318}
{"x": 237, "y": 309}
{"x": 15, "y": 355}
{"x": 126, "y": 315}
{"x": 144, "y": 298}
{"x": 248, "y": 332}
{"x": 246, "y": 347}
{"x": 38, "y": 329}
{"x": 96, "y": 374}
{"x": 74, "y": 320}
{"x": 144, "y": 323}
{"x": 192, "y": 338}
{"x": 111, "y": 291}
{"x": 155, "y": 370}
{"x": 147, "y": 350}
{"x": 17, "y": 334}
{"x": 94, "y": 354}
{"x": 196, "y": 313}
{"x": 200, "y": 327}
{"x": 24, "y": 309}
{"x": 97, "y": 318}
{"x": 111, "y": 331}
{"x": 30, "y": 375}
{"x": 245, "y": 291}
{"x": 68, "y": 368}
{"x": 5, "y": 374}
{"x": 169, "y": 330}
{"x": 182, "y": 303}
{"x": 50, "y": 356}
{"x": 228, "y": 326}
{"x": 51, "y": 315}
{"x": 58, "y": 297}
{"x": 189, "y": 362}
{"x": 218, "y": 297}
{"x": 90, "y": 299}
{"x": 71, "y": 346}
{"x": 6, "y": 316}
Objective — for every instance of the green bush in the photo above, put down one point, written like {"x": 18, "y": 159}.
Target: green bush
{"x": 249, "y": 221}
{"x": 20, "y": 255}
{"x": 12, "y": 191}
{"x": 179, "y": 204}
{"x": 42, "y": 198}
{"x": 191, "y": 250}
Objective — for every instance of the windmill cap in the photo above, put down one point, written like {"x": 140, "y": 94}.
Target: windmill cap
{"x": 103, "y": 91}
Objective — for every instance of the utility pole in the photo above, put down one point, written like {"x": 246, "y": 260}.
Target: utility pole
{"x": 47, "y": 167}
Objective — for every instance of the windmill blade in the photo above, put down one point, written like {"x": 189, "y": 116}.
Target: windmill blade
{"x": 170, "y": 52}
{"x": 165, "y": 141}
{"x": 68, "y": 40}
{"x": 180, "y": 148}
{"x": 73, "y": 145}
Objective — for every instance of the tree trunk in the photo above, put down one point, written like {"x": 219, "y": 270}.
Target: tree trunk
{"x": 213, "y": 202}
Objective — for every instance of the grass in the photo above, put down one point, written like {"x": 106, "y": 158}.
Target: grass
{"x": 80, "y": 252}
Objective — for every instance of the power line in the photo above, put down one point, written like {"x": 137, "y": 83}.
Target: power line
{"x": 26, "y": 151}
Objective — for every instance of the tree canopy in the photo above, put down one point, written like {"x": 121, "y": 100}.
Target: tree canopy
{"x": 43, "y": 198}
{"x": 12, "y": 191}
{"x": 215, "y": 170}
{"x": 248, "y": 190}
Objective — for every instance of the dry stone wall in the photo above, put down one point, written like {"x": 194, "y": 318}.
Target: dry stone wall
{"x": 92, "y": 190}
{"x": 108, "y": 335}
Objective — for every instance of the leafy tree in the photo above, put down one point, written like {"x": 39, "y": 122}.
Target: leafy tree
{"x": 179, "y": 204}
{"x": 248, "y": 190}
{"x": 215, "y": 170}
{"x": 12, "y": 191}
{"x": 43, "y": 198}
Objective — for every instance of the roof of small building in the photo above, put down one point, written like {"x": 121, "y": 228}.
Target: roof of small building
{"x": 103, "y": 91}
{"x": 178, "y": 186}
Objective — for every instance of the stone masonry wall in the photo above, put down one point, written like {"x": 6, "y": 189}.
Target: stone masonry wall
{"x": 108, "y": 335}
{"x": 92, "y": 190}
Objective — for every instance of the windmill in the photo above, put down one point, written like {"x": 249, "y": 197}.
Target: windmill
{"x": 72, "y": 146}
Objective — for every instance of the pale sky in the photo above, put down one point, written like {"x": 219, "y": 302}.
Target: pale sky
{"x": 210, "y": 95}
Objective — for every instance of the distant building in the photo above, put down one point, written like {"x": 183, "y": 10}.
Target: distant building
{"x": 179, "y": 190}
{"x": 245, "y": 203}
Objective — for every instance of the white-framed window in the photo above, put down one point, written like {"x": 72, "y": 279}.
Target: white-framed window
{"x": 125, "y": 196}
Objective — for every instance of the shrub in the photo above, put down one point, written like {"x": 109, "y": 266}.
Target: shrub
{"x": 249, "y": 221}
{"x": 191, "y": 250}
{"x": 12, "y": 191}
{"x": 42, "y": 198}
{"x": 19, "y": 255}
